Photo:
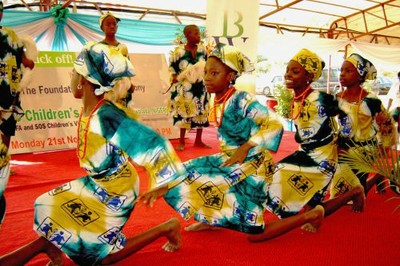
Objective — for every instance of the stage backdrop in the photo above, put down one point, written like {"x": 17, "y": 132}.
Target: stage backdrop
{"x": 51, "y": 111}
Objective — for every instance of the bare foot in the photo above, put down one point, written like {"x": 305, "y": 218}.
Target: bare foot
{"x": 180, "y": 147}
{"x": 358, "y": 199}
{"x": 174, "y": 235}
{"x": 199, "y": 227}
{"x": 315, "y": 217}
{"x": 55, "y": 254}
{"x": 202, "y": 145}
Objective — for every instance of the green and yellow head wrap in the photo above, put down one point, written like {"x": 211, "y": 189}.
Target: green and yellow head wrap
{"x": 311, "y": 62}
{"x": 232, "y": 57}
{"x": 364, "y": 67}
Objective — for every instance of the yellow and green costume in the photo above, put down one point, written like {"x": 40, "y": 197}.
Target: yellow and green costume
{"x": 85, "y": 217}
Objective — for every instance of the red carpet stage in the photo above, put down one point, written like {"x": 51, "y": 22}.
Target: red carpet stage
{"x": 345, "y": 238}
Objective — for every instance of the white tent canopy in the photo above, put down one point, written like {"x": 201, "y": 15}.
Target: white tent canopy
{"x": 373, "y": 21}
{"x": 278, "y": 20}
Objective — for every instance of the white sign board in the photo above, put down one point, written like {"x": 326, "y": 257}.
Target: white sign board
{"x": 51, "y": 111}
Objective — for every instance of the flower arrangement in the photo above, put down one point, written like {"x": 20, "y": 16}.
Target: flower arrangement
{"x": 284, "y": 96}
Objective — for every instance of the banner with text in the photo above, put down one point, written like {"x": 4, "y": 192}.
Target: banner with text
{"x": 51, "y": 111}
{"x": 151, "y": 94}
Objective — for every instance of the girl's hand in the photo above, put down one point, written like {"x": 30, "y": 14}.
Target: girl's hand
{"x": 239, "y": 156}
{"x": 150, "y": 197}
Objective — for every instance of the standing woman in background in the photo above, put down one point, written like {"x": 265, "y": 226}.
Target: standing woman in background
{"x": 109, "y": 25}
{"x": 189, "y": 102}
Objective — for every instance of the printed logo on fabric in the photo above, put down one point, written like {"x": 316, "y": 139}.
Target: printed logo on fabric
{"x": 249, "y": 216}
{"x": 163, "y": 166}
{"x": 54, "y": 232}
{"x": 113, "y": 201}
{"x": 235, "y": 177}
{"x": 186, "y": 210}
{"x": 327, "y": 167}
{"x": 208, "y": 220}
{"x": 307, "y": 132}
{"x": 300, "y": 183}
{"x": 80, "y": 212}
{"x": 277, "y": 206}
{"x": 80, "y": 60}
{"x": 192, "y": 176}
{"x": 342, "y": 186}
{"x": 110, "y": 236}
{"x": 270, "y": 167}
{"x": 212, "y": 196}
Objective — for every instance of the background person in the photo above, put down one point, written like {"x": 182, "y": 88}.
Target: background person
{"x": 189, "y": 100}
{"x": 13, "y": 60}
{"x": 109, "y": 25}
{"x": 394, "y": 95}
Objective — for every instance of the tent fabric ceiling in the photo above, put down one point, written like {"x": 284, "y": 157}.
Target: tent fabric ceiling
{"x": 371, "y": 21}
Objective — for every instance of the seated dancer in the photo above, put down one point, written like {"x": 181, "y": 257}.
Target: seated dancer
{"x": 84, "y": 218}
{"x": 363, "y": 121}
{"x": 302, "y": 178}
{"x": 229, "y": 189}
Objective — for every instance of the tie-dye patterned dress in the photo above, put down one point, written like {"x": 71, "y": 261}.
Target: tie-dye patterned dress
{"x": 10, "y": 77}
{"x": 85, "y": 217}
{"x": 358, "y": 128}
{"x": 189, "y": 99}
{"x": 232, "y": 196}
{"x": 10, "y": 103}
{"x": 303, "y": 177}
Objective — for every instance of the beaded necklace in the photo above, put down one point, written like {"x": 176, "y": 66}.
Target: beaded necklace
{"x": 359, "y": 98}
{"x": 98, "y": 104}
{"x": 223, "y": 99}
{"x": 302, "y": 96}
